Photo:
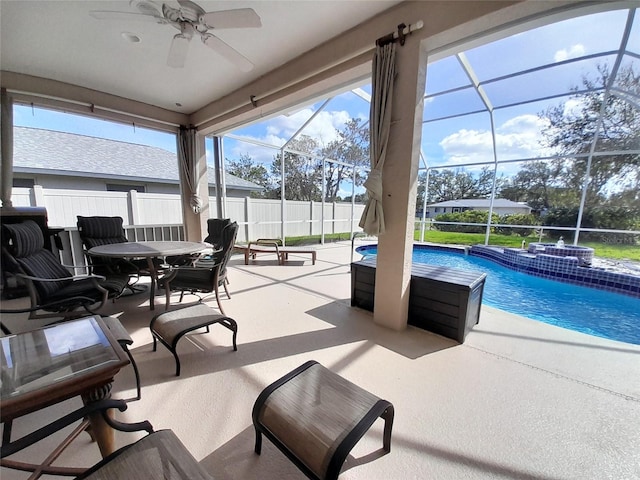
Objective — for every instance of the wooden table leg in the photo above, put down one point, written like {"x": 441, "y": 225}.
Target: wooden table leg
{"x": 102, "y": 433}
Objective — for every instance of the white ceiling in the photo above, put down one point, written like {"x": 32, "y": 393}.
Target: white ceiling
{"x": 59, "y": 40}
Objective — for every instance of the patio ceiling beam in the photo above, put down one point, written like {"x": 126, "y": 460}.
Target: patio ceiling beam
{"x": 43, "y": 92}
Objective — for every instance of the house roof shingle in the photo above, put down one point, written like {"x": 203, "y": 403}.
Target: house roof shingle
{"x": 46, "y": 151}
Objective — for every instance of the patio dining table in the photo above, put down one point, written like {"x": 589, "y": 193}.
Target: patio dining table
{"x": 150, "y": 251}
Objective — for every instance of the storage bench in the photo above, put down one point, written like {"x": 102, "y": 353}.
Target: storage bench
{"x": 442, "y": 300}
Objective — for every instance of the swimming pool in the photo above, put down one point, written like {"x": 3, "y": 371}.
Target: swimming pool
{"x": 587, "y": 310}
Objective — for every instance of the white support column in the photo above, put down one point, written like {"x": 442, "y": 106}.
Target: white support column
{"x": 395, "y": 246}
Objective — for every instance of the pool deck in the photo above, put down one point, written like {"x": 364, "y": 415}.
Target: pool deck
{"x": 519, "y": 399}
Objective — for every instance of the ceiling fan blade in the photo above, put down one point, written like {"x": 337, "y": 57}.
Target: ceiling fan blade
{"x": 237, "y": 18}
{"x": 227, "y": 52}
{"x": 124, "y": 16}
{"x": 178, "y": 51}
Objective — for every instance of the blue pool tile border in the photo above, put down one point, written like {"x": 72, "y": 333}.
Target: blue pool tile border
{"x": 563, "y": 269}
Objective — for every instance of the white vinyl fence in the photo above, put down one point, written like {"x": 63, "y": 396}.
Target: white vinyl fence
{"x": 149, "y": 216}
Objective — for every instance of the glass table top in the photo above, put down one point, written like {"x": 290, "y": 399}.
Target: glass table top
{"x": 48, "y": 356}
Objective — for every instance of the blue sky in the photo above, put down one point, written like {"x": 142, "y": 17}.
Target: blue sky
{"x": 465, "y": 139}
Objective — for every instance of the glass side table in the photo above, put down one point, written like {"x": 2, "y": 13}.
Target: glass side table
{"x": 52, "y": 364}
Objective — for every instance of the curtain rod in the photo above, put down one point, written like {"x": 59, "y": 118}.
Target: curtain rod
{"x": 400, "y": 34}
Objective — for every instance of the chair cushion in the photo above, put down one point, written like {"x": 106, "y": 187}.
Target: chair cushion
{"x": 194, "y": 278}
{"x": 101, "y": 230}
{"x": 44, "y": 264}
{"x": 23, "y": 238}
{"x": 215, "y": 226}
{"x": 72, "y": 293}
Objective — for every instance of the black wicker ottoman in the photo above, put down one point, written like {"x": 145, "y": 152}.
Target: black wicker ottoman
{"x": 316, "y": 417}
{"x": 170, "y": 327}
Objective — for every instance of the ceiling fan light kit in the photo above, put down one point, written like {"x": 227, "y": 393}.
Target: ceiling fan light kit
{"x": 190, "y": 19}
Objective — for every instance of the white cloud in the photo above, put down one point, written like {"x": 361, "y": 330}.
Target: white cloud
{"x": 574, "y": 51}
{"x": 518, "y": 137}
{"x": 324, "y": 128}
{"x": 573, "y": 107}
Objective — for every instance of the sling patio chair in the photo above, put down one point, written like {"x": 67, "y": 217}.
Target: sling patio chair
{"x": 215, "y": 227}
{"x": 53, "y": 290}
{"x": 98, "y": 230}
{"x": 159, "y": 454}
{"x": 208, "y": 273}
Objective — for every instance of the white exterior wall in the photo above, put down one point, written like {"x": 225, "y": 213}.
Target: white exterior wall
{"x": 87, "y": 183}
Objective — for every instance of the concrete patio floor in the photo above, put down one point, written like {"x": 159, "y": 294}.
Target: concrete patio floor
{"x": 518, "y": 400}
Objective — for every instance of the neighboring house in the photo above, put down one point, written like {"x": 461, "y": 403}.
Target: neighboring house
{"x": 501, "y": 206}
{"x": 79, "y": 162}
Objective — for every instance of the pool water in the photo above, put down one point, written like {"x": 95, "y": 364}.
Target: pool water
{"x": 587, "y": 310}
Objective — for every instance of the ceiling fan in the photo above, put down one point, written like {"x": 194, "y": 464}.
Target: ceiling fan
{"x": 191, "y": 19}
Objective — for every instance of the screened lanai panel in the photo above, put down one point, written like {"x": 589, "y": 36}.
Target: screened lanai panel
{"x": 277, "y": 130}
{"x": 445, "y": 105}
{"x": 251, "y": 162}
{"x": 560, "y": 41}
{"x": 611, "y": 197}
{"x": 459, "y": 140}
{"x": 446, "y": 74}
{"x": 350, "y": 104}
{"x": 539, "y": 184}
{"x": 627, "y": 82}
{"x": 633, "y": 45}
{"x": 621, "y": 121}
{"x": 521, "y": 131}
{"x": 548, "y": 82}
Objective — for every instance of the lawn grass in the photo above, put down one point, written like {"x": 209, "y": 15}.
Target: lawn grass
{"x": 603, "y": 250}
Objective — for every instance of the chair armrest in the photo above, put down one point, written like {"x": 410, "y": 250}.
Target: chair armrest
{"x": 99, "y": 406}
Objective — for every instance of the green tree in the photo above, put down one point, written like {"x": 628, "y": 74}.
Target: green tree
{"x": 539, "y": 185}
{"x": 246, "y": 169}
{"x": 302, "y": 173}
{"x": 456, "y": 184}
{"x": 351, "y": 148}
{"x": 613, "y": 120}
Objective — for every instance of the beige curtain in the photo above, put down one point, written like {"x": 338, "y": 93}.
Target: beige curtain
{"x": 383, "y": 76}
{"x": 187, "y": 158}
